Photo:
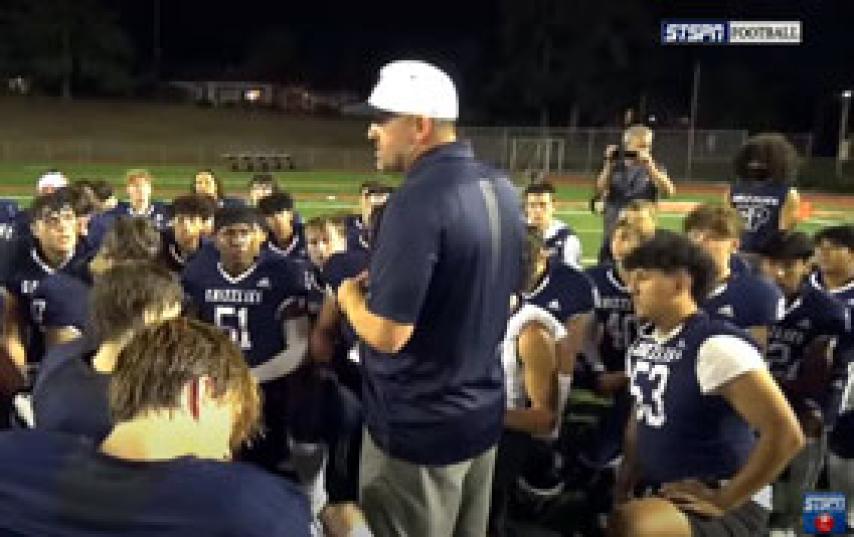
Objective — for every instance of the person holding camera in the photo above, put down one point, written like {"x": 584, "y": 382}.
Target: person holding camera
{"x": 629, "y": 174}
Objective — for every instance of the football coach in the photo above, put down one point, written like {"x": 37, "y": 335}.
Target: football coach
{"x": 446, "y": 260}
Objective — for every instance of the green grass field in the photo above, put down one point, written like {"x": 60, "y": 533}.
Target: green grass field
{"x": 317, "y": 192}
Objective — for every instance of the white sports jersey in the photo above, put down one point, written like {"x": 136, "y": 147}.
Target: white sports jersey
{"x": 514, "y": 369}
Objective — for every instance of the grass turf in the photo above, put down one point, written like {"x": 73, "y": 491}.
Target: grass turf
{"x": 318, "y": 192}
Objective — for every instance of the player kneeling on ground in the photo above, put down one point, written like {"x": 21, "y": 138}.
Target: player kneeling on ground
{"x": 710, "y": 429}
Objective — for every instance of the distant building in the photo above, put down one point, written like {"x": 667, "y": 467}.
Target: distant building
{"x": 288, "y": 97}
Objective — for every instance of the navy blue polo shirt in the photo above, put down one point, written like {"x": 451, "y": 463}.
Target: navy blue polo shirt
{"x": 447, "y": 258}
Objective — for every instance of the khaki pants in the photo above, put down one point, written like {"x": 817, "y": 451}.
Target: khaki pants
{"x": 404, "y": 499}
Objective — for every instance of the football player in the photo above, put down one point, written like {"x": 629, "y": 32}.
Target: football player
{"x": 812, "y": 326}
{"x": 561, "y": 241}
{"x": 748, "y": 301}
{"x": 709, "y": 429}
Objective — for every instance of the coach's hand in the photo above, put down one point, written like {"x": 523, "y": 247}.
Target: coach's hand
{"x": 693, "y": 496}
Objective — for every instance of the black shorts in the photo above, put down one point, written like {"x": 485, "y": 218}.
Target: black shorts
{"x": 749, "y": 520}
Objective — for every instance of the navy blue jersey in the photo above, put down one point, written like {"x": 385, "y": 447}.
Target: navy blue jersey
{"x": 684, "y": 430}
{"x": 28, "y": 271}
{"x": 158, "y": 212}
{"x": 563, "y": 244}
{"x": 8, "y": 211}
{"x": 296, "y": 247}
{"x": 69, "y": 395}
{"x": 844, "y": 294}
{"x": 811, "y": 315}
{"x": 746, "y": 300}
{"x": 615, "y": 314}
{"x": 737, "y": 264}
{"x": 343, "y": 265}
{"x": 64, "y": 301}
{"x": 175, "y": 259}
{"x": 841, "y": 398}
{"x": 564, "y": 292}
{"x": 760, "y": 204}
{"x": 253, "y": 306}
{"x": 357, "y": 233}
{"x": 230, "y": 201}
{"x": 57, "y": 484}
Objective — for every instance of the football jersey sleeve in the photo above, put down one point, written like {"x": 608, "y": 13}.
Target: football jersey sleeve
{"x": 722, "y": 358}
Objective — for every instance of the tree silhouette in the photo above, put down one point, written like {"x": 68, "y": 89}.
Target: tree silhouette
{"x": 556, "y": 59}
{"x": 65, "y": 43}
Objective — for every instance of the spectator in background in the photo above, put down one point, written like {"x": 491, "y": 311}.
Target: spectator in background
{"x": 371, "y": 195}
{"x": 629, "y": 173}
{"x": 140, "y": 204}
{"x": 560, "y": 240}
{"x": 447, "y": 258}
{"x": 208, "y": 183}
{"x": 765, "y": 169}
{"x": 182, "y": 399}
{"x": 260, "y": 186}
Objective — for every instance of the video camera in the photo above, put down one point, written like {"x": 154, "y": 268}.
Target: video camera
{"x": 621, "y": 153}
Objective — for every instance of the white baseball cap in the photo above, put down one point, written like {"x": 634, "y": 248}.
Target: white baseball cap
{"x": 51, "y": 180}
{"x": 415, "y": 88}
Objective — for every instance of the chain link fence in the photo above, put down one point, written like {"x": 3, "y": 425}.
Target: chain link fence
{"x": 581, "y": 151}
{"x": 521, "y": 150}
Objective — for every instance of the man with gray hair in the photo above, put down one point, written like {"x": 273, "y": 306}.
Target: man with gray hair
{"x": 446, "y": 260}
{"x": 629, "y": 174}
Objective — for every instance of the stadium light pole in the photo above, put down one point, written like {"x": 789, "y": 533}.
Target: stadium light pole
{"x": 695, "y": 96}
{"x": 156, "y": 52}
{"x": 843, "y": 129}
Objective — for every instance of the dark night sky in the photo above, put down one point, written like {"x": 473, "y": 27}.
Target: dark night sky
{"x": 340, "y": 45}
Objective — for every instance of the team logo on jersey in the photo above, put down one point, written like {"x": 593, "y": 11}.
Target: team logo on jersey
{"x": 754, "y": 216}
{"x": 726, "y": 311}
{"x": 264, "y": 283}
{"x": 554, "y": 305}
